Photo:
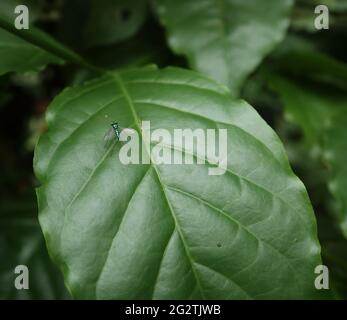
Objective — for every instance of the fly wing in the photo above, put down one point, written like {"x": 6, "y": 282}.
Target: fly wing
{"x": 109, "y": 137}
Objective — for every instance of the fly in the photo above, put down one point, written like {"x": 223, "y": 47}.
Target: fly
{"x": 115, "y": 127}
{"x": 113, "y": 134}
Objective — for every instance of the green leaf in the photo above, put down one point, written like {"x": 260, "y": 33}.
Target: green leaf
{"x": 225, "y": 39}
{"x": 22, "y": 243}
{"x": 336, "y": 156}
{"x": 313, "y": 106}
{"x": 171, "y": 231}
{"x": 31, "y": 49}
{"x": 312, "y": 65}
{"x": 18, "y": 54}
{"x": 310, "y": 106}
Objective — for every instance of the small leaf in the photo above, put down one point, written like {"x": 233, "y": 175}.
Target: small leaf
{"x": 146, "y": 231}
{"x": 31, "y": 49}
{"x": 225, "y": 39}
{"x": 20, "y": 56}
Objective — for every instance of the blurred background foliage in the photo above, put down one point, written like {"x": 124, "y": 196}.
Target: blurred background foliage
{"x": 299, "y": 89}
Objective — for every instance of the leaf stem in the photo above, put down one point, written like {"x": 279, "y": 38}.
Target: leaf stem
{"x": 49, "y": 44}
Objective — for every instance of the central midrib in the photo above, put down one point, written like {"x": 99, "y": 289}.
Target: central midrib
{"x": 137, "y": 121}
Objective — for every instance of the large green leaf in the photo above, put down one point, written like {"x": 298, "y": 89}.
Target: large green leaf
{"x": 336, "y": 155}
{"x": 226, "y": 39}
{"x": 22, "y": 243}
{"x": 171, "y": 231}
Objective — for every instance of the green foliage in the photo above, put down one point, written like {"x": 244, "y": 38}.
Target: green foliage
{"x": 336, "y": 156}
{"x": 143, "y": 220}
{"x": 22, "y": 243}
{"x": 317, "y": 104}
{"x": 19, "y": 55}
{"x": 158, "y": 231}
{"x": 31, "y": 58}
{"x": 17, "y": 52}
{"x": 234, "y": 36}
{"x": 308, "y": 106}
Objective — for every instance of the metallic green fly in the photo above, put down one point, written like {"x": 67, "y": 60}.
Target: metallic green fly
{"x": 113, "y": 134}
